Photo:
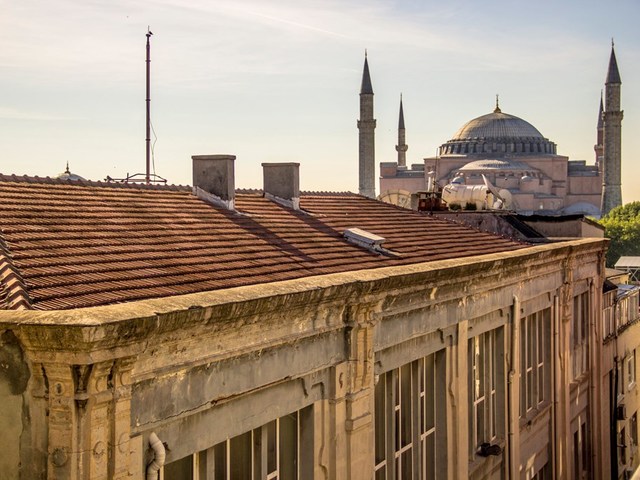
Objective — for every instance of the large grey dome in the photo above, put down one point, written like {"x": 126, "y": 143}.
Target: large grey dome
{"x": 497, "y": 134}
{"x": 497, "y": 125}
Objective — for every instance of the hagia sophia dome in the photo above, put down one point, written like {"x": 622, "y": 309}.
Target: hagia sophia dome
{"x": 498, "y": 133}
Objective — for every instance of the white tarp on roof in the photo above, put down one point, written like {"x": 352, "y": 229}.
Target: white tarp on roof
{"x": 626, "y": 262}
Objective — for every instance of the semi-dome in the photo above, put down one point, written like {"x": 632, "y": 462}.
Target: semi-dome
{"x": 498, "y": 134}
{"x": 495, "y": 164}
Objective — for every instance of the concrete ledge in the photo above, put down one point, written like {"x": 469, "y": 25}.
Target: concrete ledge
{"x": 322, "y": 287}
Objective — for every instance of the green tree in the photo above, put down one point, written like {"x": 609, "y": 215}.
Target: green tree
{"x": 622, "y": 226}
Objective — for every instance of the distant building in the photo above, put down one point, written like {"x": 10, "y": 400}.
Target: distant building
{"x": 515, "y": 157}
{"x": 630, "y": 265}
{"x": 620, "y": 351}
{"x": 68, "y": 175}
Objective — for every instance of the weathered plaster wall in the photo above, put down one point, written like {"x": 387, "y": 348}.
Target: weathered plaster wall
{"x": 14, "y": 421}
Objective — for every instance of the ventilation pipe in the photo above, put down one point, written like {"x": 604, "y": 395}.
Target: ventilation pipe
{"x": 159, "y": 456}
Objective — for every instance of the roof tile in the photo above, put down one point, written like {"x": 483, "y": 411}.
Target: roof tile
{"x": 77, "y": 244}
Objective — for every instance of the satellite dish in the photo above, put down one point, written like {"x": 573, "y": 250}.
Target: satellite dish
{"x": 401, "y": 198}
{"x": 504, "y": 199}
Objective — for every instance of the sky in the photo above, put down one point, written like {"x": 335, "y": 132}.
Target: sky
{"x": 278, "y": 81}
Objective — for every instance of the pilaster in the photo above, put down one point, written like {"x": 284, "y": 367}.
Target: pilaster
{"x": 354, "y": 379}
{"x": 63, "y": 422}
{"x": 89, "y": 420}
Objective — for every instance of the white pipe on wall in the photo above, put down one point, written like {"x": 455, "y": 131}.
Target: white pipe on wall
{"x": 159, "y": 456}
{"x": 513, "y": 393}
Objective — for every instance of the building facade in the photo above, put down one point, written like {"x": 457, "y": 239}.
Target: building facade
{"x": 621, "y": 399}
{"x": 178, "y": 333}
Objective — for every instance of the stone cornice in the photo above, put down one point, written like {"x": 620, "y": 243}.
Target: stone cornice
{"x": 118, "y": 330}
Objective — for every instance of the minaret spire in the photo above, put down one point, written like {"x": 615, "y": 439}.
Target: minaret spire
{"x": 613, "y": 74}
{"x": 599, "y": 146}
{"x": 612, "y": 117}
{"x": 601, "y": 111}
{"x": 401, "y": 147}
{"x": 366, "y": 87}
{"x": 366, "y": 128}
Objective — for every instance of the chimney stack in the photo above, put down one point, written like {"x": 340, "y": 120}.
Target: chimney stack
{"x": 214, "y": 179}
{"x": 282, "y": 183}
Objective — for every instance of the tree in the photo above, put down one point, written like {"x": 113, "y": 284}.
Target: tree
{"x": 622, "y": 226}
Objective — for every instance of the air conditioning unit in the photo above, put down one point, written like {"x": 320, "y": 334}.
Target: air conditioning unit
{"x": 621, "y": 412}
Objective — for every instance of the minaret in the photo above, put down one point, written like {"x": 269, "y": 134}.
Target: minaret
{"x": 366, "y": 127}
{"x": 402, "y": 147}
{"x": 611, "y": 186}
{"x": 599, "y": 146}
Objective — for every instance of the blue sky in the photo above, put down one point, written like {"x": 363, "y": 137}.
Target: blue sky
{"x": 279, "y": 80}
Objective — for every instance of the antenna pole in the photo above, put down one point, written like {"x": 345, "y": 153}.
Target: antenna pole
{"x": 148, "y": 100}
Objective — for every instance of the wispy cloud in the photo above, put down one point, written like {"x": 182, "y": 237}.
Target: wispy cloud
{"x": 7, "y": 113}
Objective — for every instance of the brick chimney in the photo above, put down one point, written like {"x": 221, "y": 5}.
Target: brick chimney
{"x": 282, "y": 183}
{"x": 214, "y": 179}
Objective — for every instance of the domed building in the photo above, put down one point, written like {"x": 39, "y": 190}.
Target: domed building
{"x": 513, "y": 155}
{"x": 69, "y": 175}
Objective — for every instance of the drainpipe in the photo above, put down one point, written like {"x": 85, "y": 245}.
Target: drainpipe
{"x": 159, "y": 455}
{"x": 593, "y": 344}
{"x": 556, "y": 359}
{"x": 613, "y": 431}
{"x": 512, "y": 389}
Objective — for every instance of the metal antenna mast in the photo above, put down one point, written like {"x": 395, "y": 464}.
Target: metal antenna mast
{"x": 147, "y": 176}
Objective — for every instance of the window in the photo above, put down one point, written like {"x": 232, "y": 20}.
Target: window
{"x": 608, "y": 322}
{"x": 405, "y": 420}
{"x": 580, "y": 452}
{"x": 620, "y": 380}
{"x": 543, "y": 474}
{"x": 579, "y": 334}
{"x": 427, "y": 405}
{"x": 622, "y": 446}
{"x": 272, "y": 452}
{"x": 403, "y": 407}
{"x": 534, "y": 360}
{"x": 633, "y": 429}
{"x": 633, "y": 307}
{"x": 180, "y": 469}
{"x": 631, "y": 370}
{"x": 486, "y": 375}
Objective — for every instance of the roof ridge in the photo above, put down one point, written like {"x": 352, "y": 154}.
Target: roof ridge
{"x": 13, "y": 291}
{"x": 345, "y": 193}
{"x": 259, "y": 191}
{"x": 86, "y": 183}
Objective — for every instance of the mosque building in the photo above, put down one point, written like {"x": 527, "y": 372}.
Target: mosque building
{"x": 512, "y": 155}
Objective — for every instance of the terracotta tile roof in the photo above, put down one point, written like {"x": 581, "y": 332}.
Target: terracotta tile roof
{"x": 69, "y": 245}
